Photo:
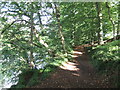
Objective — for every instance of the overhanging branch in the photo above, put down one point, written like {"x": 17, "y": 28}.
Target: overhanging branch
{"x": 12, "y": 24}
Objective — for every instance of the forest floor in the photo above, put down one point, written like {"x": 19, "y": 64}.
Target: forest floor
{"x": 78, "y": 73}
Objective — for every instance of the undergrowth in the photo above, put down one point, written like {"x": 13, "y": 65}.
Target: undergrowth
{"x": 32, "y": 77}
{"x": 106, "y": 59}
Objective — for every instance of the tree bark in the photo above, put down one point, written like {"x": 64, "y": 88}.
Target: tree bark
{"x": 111, "y": 20}
{"x": 60, "y": 27}
{"x": 100, "y": 30}
{"x": 118, "y": 27}
{"x": 73, "y": 35}
{"x": 31, "y": 40}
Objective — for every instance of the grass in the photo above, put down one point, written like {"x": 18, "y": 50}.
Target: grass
{"x": 106, "y": 59}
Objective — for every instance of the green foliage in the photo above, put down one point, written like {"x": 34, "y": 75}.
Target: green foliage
{"x": 106, "y": 53}
{"x": 46, "y": 71}
{"x": 52, "y": 66}
{"x": 106, "y": 58}
{"x": 27, "y": 78}
{"x": 34, "y": 79}
{"x": 78, "y": 23}
{"x": 31, "y": 77}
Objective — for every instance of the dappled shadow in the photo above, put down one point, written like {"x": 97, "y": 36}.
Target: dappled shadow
{"x": 78, "y": 73}
{"x": 72, "y": 67}
{"x": 69, "y": 66}
{"x": 79, "y": 66}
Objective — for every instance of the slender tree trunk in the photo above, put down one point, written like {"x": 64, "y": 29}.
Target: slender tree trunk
{"x": 60, "y": 27}
{"x": 37, "y": 34}
{"x": 31, "y": 40}
{"x": 111, "y": 20}
{"x": 73, "y": 35}
{"x": 100, "y": 30}
{"x": 39, "y": 18}
{"x": 39, "y": 13}
{"x": 118, "y": 27}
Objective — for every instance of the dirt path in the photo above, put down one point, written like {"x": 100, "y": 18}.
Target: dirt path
{"x": 78, "y": 73}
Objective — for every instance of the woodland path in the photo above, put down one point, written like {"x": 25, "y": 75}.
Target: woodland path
{"x": 78, "y": 73}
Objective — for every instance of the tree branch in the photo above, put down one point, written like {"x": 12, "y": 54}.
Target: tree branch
{"x": 12, "y": 24}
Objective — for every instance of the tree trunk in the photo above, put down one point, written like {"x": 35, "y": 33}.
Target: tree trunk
{"x": 100, "y": 30}
{"x": 37, "y": 33}
{"x": 31, "y": 40}
{"x": 111, "y": 20}
{"x": 60, "y": 27}
{"x": 118, "y": 27}
{"x": 39, "y": 13}
{"x": 73, "y": 35}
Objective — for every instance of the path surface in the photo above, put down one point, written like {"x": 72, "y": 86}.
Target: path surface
{"x": 78, "y": 73}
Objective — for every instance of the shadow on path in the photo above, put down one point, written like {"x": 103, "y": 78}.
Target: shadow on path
{"x": 78, "y": 73}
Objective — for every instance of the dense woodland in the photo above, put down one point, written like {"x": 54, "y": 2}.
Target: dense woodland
{"x": 36, "y": 37}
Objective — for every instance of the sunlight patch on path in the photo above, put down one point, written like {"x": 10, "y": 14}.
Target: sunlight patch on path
{"x": 76, "y": 52}
{"x": 71, "y": 63}
{"x": 69, "y": 66}
{"x": 73, "y": 56}
{"x": 76, "y": 74}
